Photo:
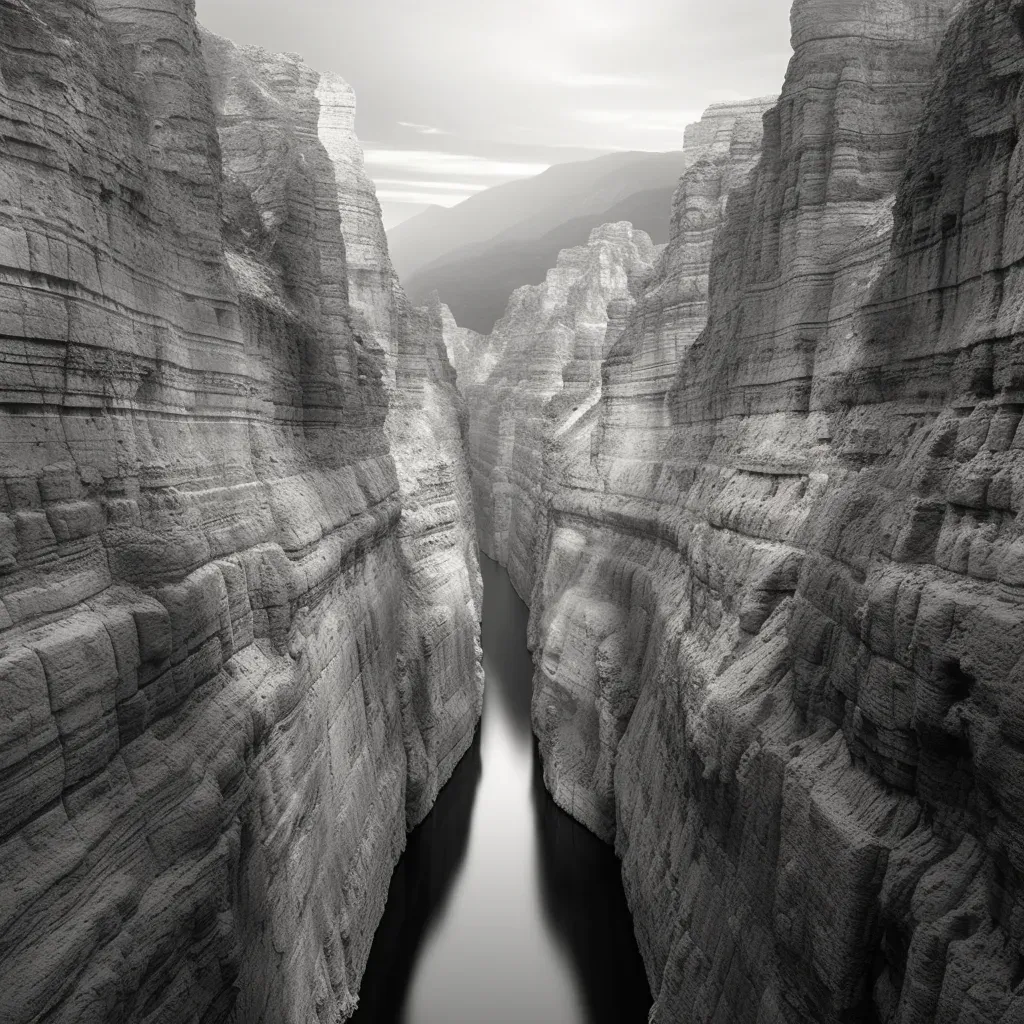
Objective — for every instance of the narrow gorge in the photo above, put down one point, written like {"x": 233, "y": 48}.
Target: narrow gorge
{"x": 759, "y": 488}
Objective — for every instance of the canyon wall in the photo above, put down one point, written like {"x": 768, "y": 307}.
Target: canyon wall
{"x": 552, "y": 340}
{"x": 473, "y": 355}
{"x": 777, "y": 617}
{"x": 576, "y": 407}
{"x": 239, "y": 598}
{"x": 426, "y": 426}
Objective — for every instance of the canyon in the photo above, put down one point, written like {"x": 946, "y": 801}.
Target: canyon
{"x": 759, "y": 487}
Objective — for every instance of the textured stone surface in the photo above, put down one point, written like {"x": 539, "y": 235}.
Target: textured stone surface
{"x": 778, "y": 637}
{"x": 540, "y": 431}
{"x": 473, "y": 355}
{"x": 237, "y": 605}
{"x": 719, "y": 151}
{"x": 442, "y": 679}
{"x": 527, "y": 414}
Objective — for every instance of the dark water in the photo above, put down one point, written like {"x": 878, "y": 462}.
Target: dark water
{"x": 503, "y": 909}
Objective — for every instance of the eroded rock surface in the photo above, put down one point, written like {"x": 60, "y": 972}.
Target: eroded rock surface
{"x": 238, "y": 605}
{"x": 593, "y": 421}
{"x": 442, "y": 681}
{"x": 552, "y": 339}
{"x": 473, "y": 355}
{"x": 778, "y": 633}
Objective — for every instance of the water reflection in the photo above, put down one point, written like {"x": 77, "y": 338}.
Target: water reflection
{"x": 503, "y": 909}
{"x": 419, "y": 890}
{"x": 508, "y": 664}
{"x": 584, "y": 903}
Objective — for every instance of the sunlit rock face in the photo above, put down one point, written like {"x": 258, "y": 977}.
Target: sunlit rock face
{"x": 473, "y": 355}
{"x": 778, "y": 648}
{"x": 237, "y": 645}
{"x": 532, "y": 413}
{"x": 442, "y": 678}
{"x": 572, "y": 417}
{"x": 720, "y": 151}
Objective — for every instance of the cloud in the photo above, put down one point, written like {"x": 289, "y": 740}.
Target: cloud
{"x": 423, "y": 129}
{"x": 421, "y": 198}
{"x": 640, "y": 120}
{"x": 451, "y": 164}
{"x": 582, "y": 80}
{"x": 441, "y": 186}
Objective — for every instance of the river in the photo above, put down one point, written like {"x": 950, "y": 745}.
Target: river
{"x": 503, "y": 909}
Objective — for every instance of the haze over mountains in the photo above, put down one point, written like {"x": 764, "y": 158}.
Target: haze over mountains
{"x": 477, "y": 253}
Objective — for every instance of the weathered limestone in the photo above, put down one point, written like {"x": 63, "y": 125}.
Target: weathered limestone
{"x": 537, "y": 437}
{"x": 553, "y": 338}
{"x": 778, "y": 617}
{"x": 237, "y": 646}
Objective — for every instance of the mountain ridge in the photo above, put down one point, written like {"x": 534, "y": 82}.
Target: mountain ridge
{"x": 529, "y": 206}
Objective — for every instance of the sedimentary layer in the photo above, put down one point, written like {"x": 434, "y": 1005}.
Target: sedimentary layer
{"x": 442, "y": 673}
{"x": 778, "y": 616}
{"x": 604, "y": 429}
{"x": 552, "y": 339}
{"x": 237, "y": 607}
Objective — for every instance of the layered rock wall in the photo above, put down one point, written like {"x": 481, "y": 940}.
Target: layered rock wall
{"x": 237, "y": 612}
{"x": 778, "y": 630}
{"x": 442, "y": 680}
{"x": 552, "y": 339}
{"x": 592, "y": 424}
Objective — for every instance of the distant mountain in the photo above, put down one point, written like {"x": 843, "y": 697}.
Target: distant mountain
{"x": 476, "y": 282}
{"x": 529, "y": 208}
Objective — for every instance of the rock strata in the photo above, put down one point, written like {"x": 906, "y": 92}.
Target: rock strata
{"x": 442, "y": 681}
{"x": 777, "y": 616}
{"x": 238, "y": 604}
{"x": 527, "y": 413}
{"x": 473, "y": 355}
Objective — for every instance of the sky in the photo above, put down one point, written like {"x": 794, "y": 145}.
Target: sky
{"x": 455, "y": 96}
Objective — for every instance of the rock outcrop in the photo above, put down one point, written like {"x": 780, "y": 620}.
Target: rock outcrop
{"x": 238, "y": 591}
{"x": 778, "y": 618}
{"x": 473, "y": 355}
{"x": 719, "y": 151}
{"x": 527, "y": 414}
{"x": 593, "y": 420}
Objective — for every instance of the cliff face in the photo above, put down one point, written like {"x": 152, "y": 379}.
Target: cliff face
{"x": 442, "y": 678}
{"x": 719, "y": 151}
{"x": 237, "y": 645}
{"x": 778, "y": 636}
{"x": 777, "y": 614}
{"x": 571, "y": 423}
{"x": 528, "y": 412}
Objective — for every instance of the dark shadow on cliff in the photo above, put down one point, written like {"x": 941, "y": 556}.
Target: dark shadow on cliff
{"x": 581, "y": 892}
{"x": 507, "y": 661}
{"x": 420, "y": 887}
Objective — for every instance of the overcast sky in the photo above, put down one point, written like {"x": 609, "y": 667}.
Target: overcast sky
{"x": 455, "y": 96}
